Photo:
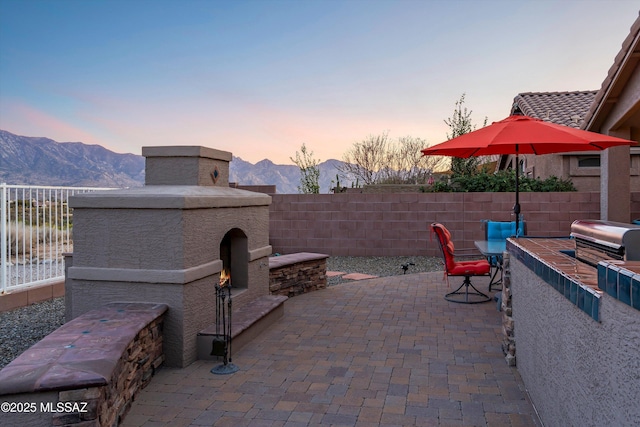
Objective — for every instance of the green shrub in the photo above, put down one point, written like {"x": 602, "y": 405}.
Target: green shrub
{"x": 501, "y": 181}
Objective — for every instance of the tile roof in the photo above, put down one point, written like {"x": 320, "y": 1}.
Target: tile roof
{"x": 623, "y": 68}
{"x": 563, "y": 108}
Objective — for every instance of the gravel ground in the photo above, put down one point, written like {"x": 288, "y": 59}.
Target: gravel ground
{"x": 380, "y": 266}
{"x": 23, "y": 327}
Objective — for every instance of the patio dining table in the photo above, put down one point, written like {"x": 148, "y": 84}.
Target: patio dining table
{"x": 493, "y": 249}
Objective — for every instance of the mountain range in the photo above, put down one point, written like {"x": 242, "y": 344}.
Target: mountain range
{"x": 42, "y": 161}
{"x": 286, "y": 178}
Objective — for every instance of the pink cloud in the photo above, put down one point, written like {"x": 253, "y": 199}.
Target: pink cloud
{"x": 19, "y": 117}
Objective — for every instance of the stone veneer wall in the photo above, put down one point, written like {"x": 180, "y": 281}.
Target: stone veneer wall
{"x": 134, "y": 371}
{"x": 397, "y": 224}
{"x": 508, "y": 341}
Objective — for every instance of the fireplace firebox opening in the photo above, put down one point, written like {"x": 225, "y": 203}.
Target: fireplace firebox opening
{"x": 234, "y": 255}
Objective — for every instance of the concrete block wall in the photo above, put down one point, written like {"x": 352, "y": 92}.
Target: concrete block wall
{"x": 397, "y": 224}
{"x": 266, "y": 189}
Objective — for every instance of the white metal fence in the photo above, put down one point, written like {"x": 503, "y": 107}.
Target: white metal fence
{"x": 35, "y": 230}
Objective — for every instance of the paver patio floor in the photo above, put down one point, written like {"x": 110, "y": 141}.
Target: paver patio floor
{"x": 382, "y": 352}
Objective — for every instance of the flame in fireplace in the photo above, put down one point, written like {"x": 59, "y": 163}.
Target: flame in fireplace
{"x": 225, "y": 277}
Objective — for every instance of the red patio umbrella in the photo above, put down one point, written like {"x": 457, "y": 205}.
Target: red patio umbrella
{"x": 519, "y": 134}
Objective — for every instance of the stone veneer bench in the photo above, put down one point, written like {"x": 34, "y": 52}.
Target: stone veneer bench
{"x": 91, "y": 367}
{"x": 297, "y": 273}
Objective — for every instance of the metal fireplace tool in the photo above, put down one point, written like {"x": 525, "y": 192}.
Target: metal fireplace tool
{"x": 221, "y": 346}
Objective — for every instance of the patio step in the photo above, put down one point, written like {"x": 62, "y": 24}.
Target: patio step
{"x": 247, "y": 323}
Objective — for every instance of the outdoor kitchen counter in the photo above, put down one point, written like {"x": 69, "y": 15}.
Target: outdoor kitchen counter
{"x": 550, "y": 252}
{"x": 582, "y": 284}
{"x": 552, "y": 260}
{"x": 574, "y": 330}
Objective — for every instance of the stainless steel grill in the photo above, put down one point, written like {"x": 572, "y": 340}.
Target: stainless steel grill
{"x": 605, "y": 240}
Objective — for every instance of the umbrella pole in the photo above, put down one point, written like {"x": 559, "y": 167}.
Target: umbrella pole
{"x": 516, "y": 207}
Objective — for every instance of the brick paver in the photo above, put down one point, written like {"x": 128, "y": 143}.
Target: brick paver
{"x": 381, "y": 352}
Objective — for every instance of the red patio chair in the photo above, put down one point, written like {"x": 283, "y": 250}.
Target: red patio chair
{"x": 466, "y": 269}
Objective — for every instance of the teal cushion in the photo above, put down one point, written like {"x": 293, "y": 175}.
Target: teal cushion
{"x": 500, "y": 230}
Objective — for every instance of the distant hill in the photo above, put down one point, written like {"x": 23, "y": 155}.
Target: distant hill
{"x": 286, "y": 178}
{"x": 43, "y": 161}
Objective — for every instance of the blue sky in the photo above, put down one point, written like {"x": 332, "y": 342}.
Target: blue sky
{"x": 260, "y": 78}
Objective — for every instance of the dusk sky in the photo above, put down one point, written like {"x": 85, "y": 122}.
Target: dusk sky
{"x": 260, "y": 78}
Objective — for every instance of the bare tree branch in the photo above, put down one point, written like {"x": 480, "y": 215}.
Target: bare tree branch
{"x": 380, "y": 160}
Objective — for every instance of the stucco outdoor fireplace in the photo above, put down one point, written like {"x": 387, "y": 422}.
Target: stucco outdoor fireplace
{"x": 169, "y": 241}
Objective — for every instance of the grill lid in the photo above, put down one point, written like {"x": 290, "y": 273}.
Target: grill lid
{"x": 612, "y": 236}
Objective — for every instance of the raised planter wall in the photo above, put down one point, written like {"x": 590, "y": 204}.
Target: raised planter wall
{"x": 397, "y": 224}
